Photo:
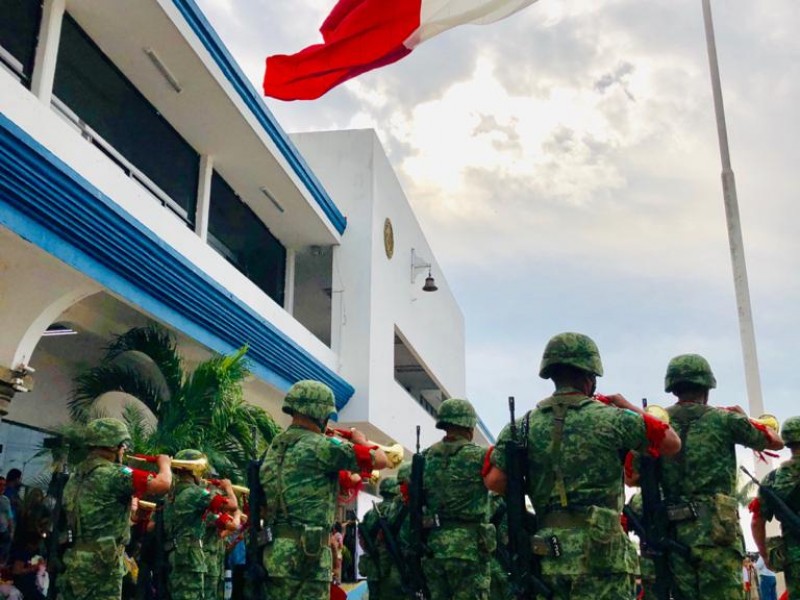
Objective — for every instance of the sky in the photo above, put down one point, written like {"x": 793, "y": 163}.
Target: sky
{"x": 564, "y": 165}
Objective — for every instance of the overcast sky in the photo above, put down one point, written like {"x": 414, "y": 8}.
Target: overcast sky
{"x": 564, "y": 165}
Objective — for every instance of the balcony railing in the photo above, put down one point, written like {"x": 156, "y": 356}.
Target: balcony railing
{"x": 128, "y": 168}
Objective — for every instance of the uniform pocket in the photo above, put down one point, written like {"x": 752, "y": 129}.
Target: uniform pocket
{"x": 487, "y": 538}
{"x": 313, "y": 540}
{"x": 606, "y": 547}
{"x": 724, "y": 520}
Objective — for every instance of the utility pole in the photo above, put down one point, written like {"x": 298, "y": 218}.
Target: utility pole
{"x": 746, "y": 329}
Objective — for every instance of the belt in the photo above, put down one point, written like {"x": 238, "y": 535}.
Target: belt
{"x": 564, "y": 519}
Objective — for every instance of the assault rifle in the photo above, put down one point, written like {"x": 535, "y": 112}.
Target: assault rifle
{"x": 419, "y": 587}
{"x": 524, "y": 580}
{"x": 160, "y": 564}
{"x": 55, "y": 490}
{"x": 258, "y": 535}
{"x": 789, "y": 519}
{"x": 408, "y": 583}
{"x": 652, "y": 528}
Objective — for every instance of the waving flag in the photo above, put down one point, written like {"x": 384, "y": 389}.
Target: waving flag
{"x": 361, "y": 35}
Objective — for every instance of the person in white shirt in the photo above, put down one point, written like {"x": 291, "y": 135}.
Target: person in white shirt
{"x": 767, "y": 581}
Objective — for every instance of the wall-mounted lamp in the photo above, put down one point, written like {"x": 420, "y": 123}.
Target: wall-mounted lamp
{"x": 162, "y": 68}
{"x": 419, "y": 264}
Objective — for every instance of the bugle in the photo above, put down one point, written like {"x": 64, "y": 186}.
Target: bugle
{"x": 237, "y": 489}
{"x": 146, "y": 505}
{"x": 200, "y": 464}
{"x": 769, "y": 421}
{"x": 394, "y": 452}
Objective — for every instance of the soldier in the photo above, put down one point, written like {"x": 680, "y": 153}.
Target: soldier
{"x": 97, "y": 506}
{"x": 377, "y": 565}
{"x": 461, "y": 547}
{"x": 785, "y": 482}
{"x": 574, "y": 478}
{"x": 214, "y": 550}
{"x": 188, "y": 504}
{"x": 699, "y": 484}
{"x": 300, "y": 476}
{"x": 499, "y": 565}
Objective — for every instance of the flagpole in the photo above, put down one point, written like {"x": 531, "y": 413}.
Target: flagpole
{"x": 746, "y": 329}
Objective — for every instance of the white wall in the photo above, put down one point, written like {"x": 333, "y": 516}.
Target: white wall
{"x": 377, "y": 291}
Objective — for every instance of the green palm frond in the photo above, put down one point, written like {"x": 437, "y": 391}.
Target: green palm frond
{"x": 93, "y": 383}
{"x": 141, "y": 431}
{"x": 157, "y": 343}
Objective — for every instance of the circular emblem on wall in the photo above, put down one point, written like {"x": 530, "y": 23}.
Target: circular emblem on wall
{"x": 388, "y": 238}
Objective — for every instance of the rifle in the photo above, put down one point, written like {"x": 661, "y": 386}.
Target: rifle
{"x": 407, "y": 581}
{"x": 160, "y": 564}
{"x": 789, "y": 519}
{"x": 653, "y": 527}
{"x": 417, "y": 526}
{"x": 258, "y": 535}
{"x": 56, "y": 491}
{"x": 524, "y": 580}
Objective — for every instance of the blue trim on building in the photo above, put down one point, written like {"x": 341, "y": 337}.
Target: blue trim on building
{"x": 208, "y": 36}
{"x": 487, "y": 432}
{"x": 47, "y": 203}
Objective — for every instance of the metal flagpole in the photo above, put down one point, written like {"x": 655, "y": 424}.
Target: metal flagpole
{"x": 746, "y": 330}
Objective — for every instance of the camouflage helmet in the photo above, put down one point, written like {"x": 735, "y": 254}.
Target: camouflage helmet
{"x": 572, "y": 349}
{"x": 455, "y": 411}
{"x": 404, "y": 473}
{"x": 189, "y": 454}
{"x": 689, "y": 368}
{"x": 388, "y": 487}
{"x": 310, "y": 398}
{"x": 200, "y": 469}
{"x": 790, "y": 432}
{"x": 107, "y": 433}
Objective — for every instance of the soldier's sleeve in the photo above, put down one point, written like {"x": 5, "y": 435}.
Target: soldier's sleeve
{"x": 201, "y": 500}
{"x": 744, "y": 432}
{"x": 631, "y": 429}
{"x": 498, "y": 457}
{"x": 127, "y": 481}
{"x": 338, "y": 455}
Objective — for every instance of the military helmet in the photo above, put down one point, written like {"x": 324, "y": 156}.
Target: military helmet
{"x": 455, "y": 411}
{"x": 310, "y": 398}
{"x": 790, "y": 432}
{"x": 200, "y": 460}
{"x": 689, "y": 368}
{"x": 189, "y": 454}
{"x": 388, "y": 487}
{"x": 107, "y": 433}
{"x": 404, "y": 473}
{"x": 572, "y": 349}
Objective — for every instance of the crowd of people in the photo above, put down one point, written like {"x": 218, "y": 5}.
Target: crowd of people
{"x": 442, "y": 530}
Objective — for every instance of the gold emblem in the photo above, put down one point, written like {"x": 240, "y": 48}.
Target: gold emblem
{"x": 388, "y": 238}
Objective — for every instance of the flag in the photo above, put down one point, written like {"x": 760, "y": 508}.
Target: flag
{"x": 361, "y": 35}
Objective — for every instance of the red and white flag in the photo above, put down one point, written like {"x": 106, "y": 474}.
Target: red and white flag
{"x": 361, "y": 35}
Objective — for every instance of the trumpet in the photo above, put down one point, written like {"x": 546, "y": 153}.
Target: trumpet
{"x": 199, "y": 465}
{"x": 768, "y": 420}
{"x": 659, "y": 412}
{"x": 237, "y": 489}
{"x": 394, "y": 453}
{"x": 147, "y": 505}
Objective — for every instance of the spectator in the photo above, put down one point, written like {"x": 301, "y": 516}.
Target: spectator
{"x": 337, "y": 543}
{"x": 749, "y": 579}
{"x": 6, "y": 524}
{"x": 13, "y": 485}
{"x": 25, "y": 565}
{"x": 767, "y": 581}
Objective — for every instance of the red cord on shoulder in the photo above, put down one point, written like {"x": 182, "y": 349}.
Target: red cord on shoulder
{"x": 755, "y": 507}
{"x": 363, "y": 457}
{"x": 404, "y": 492}
{"x": 628, "y": 466}
{"x": 140, "y": 479}
{"x": 487, "y": 462}
{"x": 218, "y": 504}
{"x": 223, "y": 521}
{"x": 656, "y": 431}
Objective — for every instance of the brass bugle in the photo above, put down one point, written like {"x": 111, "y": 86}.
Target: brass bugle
{"x": 237, "y": 489}
{"x": 146, "y": 505}
{"x": 659, "y": 412}
{"x": 199, "y": 464}
{"x": 394, "y": 453}
{"x": 769, "y": 421}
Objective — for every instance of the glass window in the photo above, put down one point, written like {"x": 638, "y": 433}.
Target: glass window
{"x": 240, "y": 236}
{"x": 97, "y": 92}
{"x": 19, "y": 32}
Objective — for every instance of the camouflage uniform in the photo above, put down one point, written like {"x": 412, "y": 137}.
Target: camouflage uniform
{"x": 214, "y": 551}
{"x": 184, "y": 525}
{"x": 498, "y": 568}
{"x": 97, "y": 505}
{"x": 785, "y": 481}
{"x": 701, "y": 480}
{"x": 383, "y": 577}
{"x": 575, "y": 479}
{"x": 300, "y": 480}
{"x": 461, "y": 547}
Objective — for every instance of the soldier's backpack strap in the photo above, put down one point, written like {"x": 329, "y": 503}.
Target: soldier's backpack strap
{"x": 682, "y": 421}
{"x": 280, "y": 447}
{"x": 74, "y": 516}
{"x": 560, "y": 404}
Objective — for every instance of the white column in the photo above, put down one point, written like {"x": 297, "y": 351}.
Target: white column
{"x": 746, "y": 329}
{"x": 288, "y": 288}
{"x": 203, "y": 196}
{"x": 44, "y": 65}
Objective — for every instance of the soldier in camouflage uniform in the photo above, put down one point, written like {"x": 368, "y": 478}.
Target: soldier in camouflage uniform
{"x": 188, "y": 504}
{"x": 782, "y": 554}
{"x": 500, "y": 562}
{"x": 699, "y": 483}
{"x": 461, "y": 547}
{"x": 214, "y": 552}
{"x": 300, "y": 476}
{"x": 383, "y": 578}
{"x": 574, "y": 480}
{"x": 97, "y": 507}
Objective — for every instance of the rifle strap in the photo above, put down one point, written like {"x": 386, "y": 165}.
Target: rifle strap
{"x": 683, "y": 421}
{"x": 559, "y": 418}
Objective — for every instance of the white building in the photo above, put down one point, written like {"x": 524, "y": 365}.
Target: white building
{"x": 142, "y": 179}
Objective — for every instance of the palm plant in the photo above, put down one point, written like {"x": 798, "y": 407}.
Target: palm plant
{"x": 203, "y": 409}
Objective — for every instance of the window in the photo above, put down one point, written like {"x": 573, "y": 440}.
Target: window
{"x": 99, "y": 94}
{"x": 239, "y": 235}
{"x": 313, "y": 283}
{"x": 19, "y": 32}
{"x": 413, "y": 375}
